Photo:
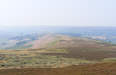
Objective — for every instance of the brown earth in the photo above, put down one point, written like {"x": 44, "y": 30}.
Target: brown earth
{"x": 90, "y": 69}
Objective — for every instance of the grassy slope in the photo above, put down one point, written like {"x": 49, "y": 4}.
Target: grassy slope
{"x": 37, "y": 58}
{"x": 61, "y": 51}
{"x": 58, "y": 50}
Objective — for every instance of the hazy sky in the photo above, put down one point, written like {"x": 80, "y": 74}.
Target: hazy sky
{"x": 57, "y": 12}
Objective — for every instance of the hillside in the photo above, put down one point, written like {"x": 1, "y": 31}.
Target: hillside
{"x": 53, "y": 51}
{"x": 54, "y": 54}
{"x": 77, "y": 47}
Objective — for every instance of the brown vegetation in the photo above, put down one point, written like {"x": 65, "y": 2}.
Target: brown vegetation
{"x": 90, "y": 69}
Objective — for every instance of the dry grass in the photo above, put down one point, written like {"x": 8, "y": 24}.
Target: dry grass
{"x": 90, "y": 69}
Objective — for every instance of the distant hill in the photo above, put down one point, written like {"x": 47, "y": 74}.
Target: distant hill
{"x": 17, "y": 38}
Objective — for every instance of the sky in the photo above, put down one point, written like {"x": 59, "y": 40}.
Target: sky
{"x": 57, "y": 13}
